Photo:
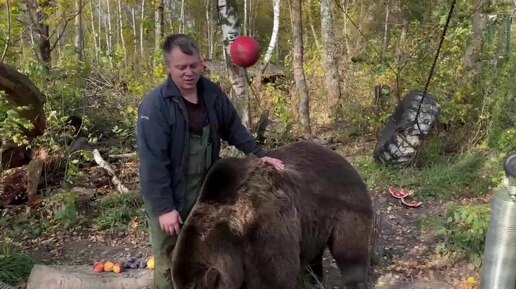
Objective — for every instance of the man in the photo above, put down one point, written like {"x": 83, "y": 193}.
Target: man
{"x": 179, "y": 128}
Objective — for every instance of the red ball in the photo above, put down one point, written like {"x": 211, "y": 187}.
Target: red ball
{"x": 245, "y": 51}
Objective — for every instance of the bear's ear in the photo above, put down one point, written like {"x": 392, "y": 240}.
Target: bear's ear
{"x": 222, "y": 181}
{"x": 211, "y": 278}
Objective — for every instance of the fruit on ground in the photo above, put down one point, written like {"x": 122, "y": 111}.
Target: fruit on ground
{"x": 150, "y": 263}
{"x": 118, "y": 267}
{"x": 108, "y": 266}
{"x": 98, "y": 267}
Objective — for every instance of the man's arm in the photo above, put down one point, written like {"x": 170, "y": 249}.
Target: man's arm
{"x": 233, "y": 131}
{"x": 153, "y": 141}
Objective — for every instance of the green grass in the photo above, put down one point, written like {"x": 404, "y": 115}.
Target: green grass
{"x": 116, "y": 211}
{"x": 445, "y": 177}
{"x": 14, "y": 267}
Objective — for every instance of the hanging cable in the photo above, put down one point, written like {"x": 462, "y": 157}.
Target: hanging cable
{"x": 434, "y": 63}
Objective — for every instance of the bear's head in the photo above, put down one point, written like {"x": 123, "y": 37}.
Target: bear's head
{"x": 208, "y": 252}
{"x": 207, "y": 257}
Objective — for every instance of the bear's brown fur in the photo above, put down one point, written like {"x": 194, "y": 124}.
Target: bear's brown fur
{"x": 254, "y": 227}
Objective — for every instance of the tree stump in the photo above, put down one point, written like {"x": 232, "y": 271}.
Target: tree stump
{"x": 83, "y": 277}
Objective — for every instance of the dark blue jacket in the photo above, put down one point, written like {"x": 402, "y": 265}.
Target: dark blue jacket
{"x": 162, "y": 138}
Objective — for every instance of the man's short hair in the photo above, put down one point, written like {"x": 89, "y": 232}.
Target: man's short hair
{"x": 181, "y": 41}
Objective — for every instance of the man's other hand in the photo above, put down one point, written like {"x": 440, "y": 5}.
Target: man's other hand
{"x": 169, "y": 222}
{"x": 278, "y": 164}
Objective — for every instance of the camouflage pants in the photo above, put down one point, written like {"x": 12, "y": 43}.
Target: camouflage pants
{"x": 163, "y": 244}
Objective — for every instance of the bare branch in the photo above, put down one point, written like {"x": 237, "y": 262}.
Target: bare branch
{"x": 67, "y": 20}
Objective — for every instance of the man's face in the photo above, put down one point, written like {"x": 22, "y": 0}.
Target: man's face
{"x": 185, "y": 69}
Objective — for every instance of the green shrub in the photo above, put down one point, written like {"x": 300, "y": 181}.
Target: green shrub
{"x": 463, "y": 233}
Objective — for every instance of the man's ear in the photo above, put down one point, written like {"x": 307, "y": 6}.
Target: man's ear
{"x": 211, "y": 278}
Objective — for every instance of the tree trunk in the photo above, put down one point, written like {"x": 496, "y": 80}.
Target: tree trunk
{"x": 228, "y": 18}
{"x": 99, "y": 24}
{"x": 21, "y": 91}
{"x": 110, "y": 31}
{"x": 274, "y": 37}
{"x": 135, "y": 37}
{"x": 39, "y": 21}
{"x": 246, "y": 19}
{"x": 79, "y": 39}
{"x": 95, "y": 36}
{"x": 209, "y": 28}
{"x": 472, "y": 54}
{"x": 330, "y": 59}
{"x": 8, "y": 36}
{"x": 312, "y": 27}
{"x": 297, "y": 63}
{"x": 141, "y": 29}
{"x": 345, "y": 28}
{"x": 158, "y": 24}
{"x": 121, "y": 28}
{"x": 182, "y": 30}
{"x": 385, "y": 33}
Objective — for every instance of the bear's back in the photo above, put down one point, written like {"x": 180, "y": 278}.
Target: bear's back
{"x": 324, "y": 179}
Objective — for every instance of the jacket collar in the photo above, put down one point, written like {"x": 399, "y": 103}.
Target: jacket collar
{"x": 171, "y": 89}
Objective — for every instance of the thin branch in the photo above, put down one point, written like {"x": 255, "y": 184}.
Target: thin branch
{"x": 64, "y": 28}
{"x": 8, "y": 30}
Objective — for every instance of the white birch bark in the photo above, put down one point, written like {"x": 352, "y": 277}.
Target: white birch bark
{"x": 230, "y": 27}
{"x": 121, "y": 27}
{"x": 141, "y": 28}
{"x": 274, "y": 37}
{"x": 110, "y": 31}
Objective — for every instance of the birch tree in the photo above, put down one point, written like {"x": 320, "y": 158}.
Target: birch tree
{"x": 141, "y": 29}
{"x": 209, "y": 27}
{"x": 121, "y": 27}
{"x": 274, "y": 37}
{"x": 297, "y": 64}
{"x": 109, "y": 35}
{"x": 230, "y": 26}
{"x": 158, "y": 23}
{"x": 330, "y": 59}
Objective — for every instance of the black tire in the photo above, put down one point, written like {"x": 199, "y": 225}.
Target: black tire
{"x": 402, "y": 136}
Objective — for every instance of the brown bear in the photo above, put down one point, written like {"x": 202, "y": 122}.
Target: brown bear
{"x": 254, "y": 227}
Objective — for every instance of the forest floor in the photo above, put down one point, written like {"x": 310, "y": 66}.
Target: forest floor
{"x": 105, "y": 225}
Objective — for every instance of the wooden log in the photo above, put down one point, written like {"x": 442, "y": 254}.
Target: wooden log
{"x": 21, "y": 91}
{"x": 83, "y": 277}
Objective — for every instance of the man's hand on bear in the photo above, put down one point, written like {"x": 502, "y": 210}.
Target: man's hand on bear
{"x": 169, "y": 222}
{"x": 278, "y": 164}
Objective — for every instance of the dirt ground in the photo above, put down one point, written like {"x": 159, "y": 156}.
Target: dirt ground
{"x": 403, "y": 255}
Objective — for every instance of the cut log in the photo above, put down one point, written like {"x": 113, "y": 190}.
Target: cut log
{"x": 21, "y": 91}
{"x": 83, "y": 277}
